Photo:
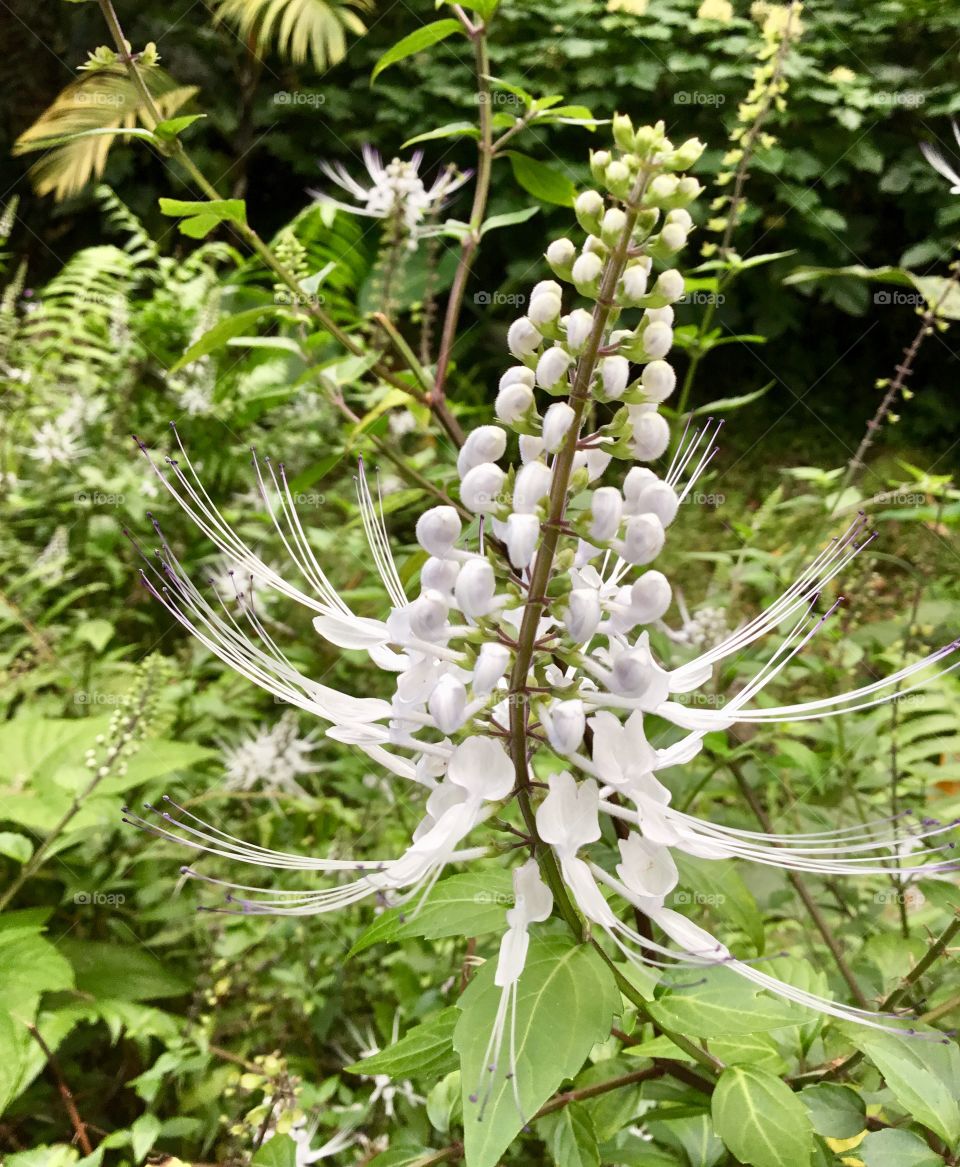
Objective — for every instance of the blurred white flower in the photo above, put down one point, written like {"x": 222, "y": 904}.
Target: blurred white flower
{"x": 272, "y": 759}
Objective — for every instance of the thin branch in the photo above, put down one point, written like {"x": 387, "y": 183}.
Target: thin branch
{"x": 66, "y": 1095}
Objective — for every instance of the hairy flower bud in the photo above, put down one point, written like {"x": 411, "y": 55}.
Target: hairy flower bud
{"x": 565, "y": 723}
{"x": 556, "y": 422}
{"x": 492, "y": 661}
{"x": 513, "y": 402}
{"x": 552, "y": 367}
{"x": 439, "y": 575}
{"x": 686, "y": 154}
{"x": 427, "y": 616}
{"x": 643, "y": 539}
{"x": 623, "y": 132}
{"x": 560, "y": 255}
{"x": 544, "y": 308}
{"x": 614, "y": 376}
{"x": 582, "y": 614}
{"x": 530, "y": 486}
{"x": 632, "y": 672}
{"x": 662, "y": 189}
{"x": 637, "y": 479}
{"x": 588, "y": 208}
{"x": 669, "y": 285}
{"x": 650, "y": 597}
{"x": 633, "y": 284}
{"x": 651, "y": 434}
{"x": 484, "y": 444}
{"x": 578, "y": 326}
{"x": 447, "y": 704}
{"x": 517, "y": 375}
{"x": 659, "y": 380}
{"x": 680, "y": 218}
{"x": 481, "y": 488}
{"x": 523, "y": 338}
{"x": 586, "y": 272}
{"x": 673, "y": 237}
{"x": 522, "y": 536}
{"x": 531, "y": 447}
{"x": 599, "y": 161}
{"x": 606, "y": 509}
{"x": 438, "y": 529}
{"x": 660, "y": 499}
{"x": 476, "y": 588}
{"x": 617, "y": 178}
{"x": 663, "y": 315}
{"x": 612, "y": 225}
{"x": 657, "y": 339}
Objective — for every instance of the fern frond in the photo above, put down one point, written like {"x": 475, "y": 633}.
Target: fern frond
{"x": 141, "y": 248}
{"x": 314, "y": 29}
{"x": 77, "y": 130}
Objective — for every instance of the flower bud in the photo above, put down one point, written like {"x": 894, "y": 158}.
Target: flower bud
{"x": 476, "y": 588}
{"x": 513, "y": 402}
{"x": 531, "y": 447}
{"x": 673, "y": 237}
{"x": 594, "y": 245}
{"x": 438, "y": 529}
{"x": 552, "y": 367}
{"x": 427, "y": 616}
{"x": 651, "y": 435}
{"x": 606, "y": 508}
{"x": 544, "y": 308}
{"x": 530, "y": 486}
{"x": 623, "y": 132}
{"x": 578, "y": 326}
{"x": 492, "y": 661}
{"x": 632, "y": 672}
{"x": 522, "y": 338}
{"x": 659, "y": 380}
{"x": 484, "y": 444}
{"x": 664, "y": 315}
{"x": 586, "y": 272}
{"x": 650, "y": 597}
{"x": 565, "y": 723}
{"x": 517, "y": 374}
{"x": 543, "y": 287}
{"x": 660, "y": 499}
{"x": 614, "y": 375}
{"x": 560, "y": 255}
{"x": 633, "y": 284}
{"x": 599, "y": 161}
{"x": 612, "y": 225}
{"x": 522, "y": 536}
{"x": 686, "y": 154}
{"x": 617, "y": 178}
{"x": 588, "y": 208}
{"x": 662, "y": 189}
{"x": 680, "y": 218}
{"x": 688, "y": 190}
{"x": 657, "y": 339}
{"x": 637, "y": 479}
{"x": 643, "y": 539}
{"x": 556, "y": 422}
{"x": 669, "y": 285}
{"x": 481, "y": 488}
{"x": 439, "y": 575}
{"x": 447, "y": 704}
{"x": 582, "y": 614}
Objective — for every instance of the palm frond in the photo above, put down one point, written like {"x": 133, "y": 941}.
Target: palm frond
{"x": 77, "y": 130}
{"x": 314, "y": 29}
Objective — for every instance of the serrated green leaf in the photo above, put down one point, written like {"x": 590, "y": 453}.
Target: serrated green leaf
{"x": 415, "y": 42}
{"x": 837, "y": 1112}
{"x": 566, "y": 999}
{"x": 723, "y": 1005}
{"x": 896, "y": 1149}
{"x": 570, "y": 1137}
{"x": 760, "y": 1120}
{"x": 425, "y": 1051}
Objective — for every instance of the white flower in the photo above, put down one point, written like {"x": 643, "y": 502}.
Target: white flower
{"x": 274, "y": 759}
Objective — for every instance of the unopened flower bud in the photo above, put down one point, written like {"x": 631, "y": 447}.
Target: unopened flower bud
{"x": 651, "y": 435}
{"x": 606, "y": 508}
{"x": 439, "y": 575}
{"x": 476, "y": 588}
{"x": 531, "y": 447}
{"x": 632, "y": 672}
{"x": 657, "y": 339}
{"x": 659, "y": 380}
{"x": 530, "y": 486}
{"x": 623, "y": 132}
{"x": 582, "y": 614}
{"x": 650, "y": 597}
{"x": 633, "y": 284}
{"x": 492, "y": 662}
{"x": 664, "y": 314}
{"x": 673, "y": 237}
{"x": 612, "y": 225}
{"x": 662, "y": 188}
{"x": 599, "y": 161}
{"x": 484, "y": 444}
{"x": 614, "y": 375}
{"x": 643, "y": 539}
{"x": 556, "y": 422}
{"x": 586, "y": 272}
{"x": 544, "y": 287}
{"x": 427, "y": 616}
{"x": 544, "y": 308}
{"x": 578, "y": 326}
{"x": 447, "y": 704}
{"x": 688, "y": 190}
{"x": 669, "y": 285}
{"x": 617, "y": 178}
{"x": 660, "y": 499}
{"x": 686, "y": 154}
{"x": 481, "y": 488}
{"x": 438, "y": 529}
{"x": 565, "y": 723}
{"x": 513, "y": 401}
{"x": 637, "y": 479}
{"x": 552, "y": 367}
{"x": 588, "y": 208}
{"x": 680, "y": 218}
{"x": 522, "y": 338}
{"x": 517, "y": 374}
{"x": 560, "y": 255}
{"x": 522, "y": 536}
{"x": 594, "y": 245}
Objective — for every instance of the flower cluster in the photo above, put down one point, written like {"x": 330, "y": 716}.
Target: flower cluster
{"x": 531, "y": 628}
{"x": 274, "y": 758}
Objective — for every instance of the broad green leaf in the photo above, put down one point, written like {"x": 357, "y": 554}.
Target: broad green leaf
{"x": 16, "y": 847}
{"x": 12, "y": 1056}
{"x": 896, "y": 1149}
{"x": 198, "y": 219}
{"x": 565, "y": 1002}
{"x": 154, "y": 758}
{"x": 450, "y": 130}
{"x": 418, "y": 40}
{"x": 277, "y": 1151}
{"x": 172, "y": 127}
{"x": 143, "y": 1134}
{"x": 443, "y": 1102}
{"x": 541, "y": 180}
{"x": 508, "y": 219}
{"x": 31, "y": 966}
{"x": 463, "y": 905}
{"x": 400, "y": 1156}
{"x": 837, "y": 1112}
{"x": 723, "y": 1005}
{"x": 570, "y": 1137}
{"x": 125, "y": 973}
{"x": 924, "y": 1077}
{"x": 425, "y": 1051}
{"x": 761, "y": 1121}
{"x": 218, "y": 336}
